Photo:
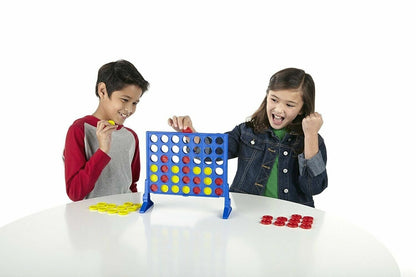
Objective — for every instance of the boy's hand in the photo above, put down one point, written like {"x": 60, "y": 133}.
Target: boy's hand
{"x": 103, "y": 132}
{"x": 311, "y": 124}
{"x": 180, "y": 123}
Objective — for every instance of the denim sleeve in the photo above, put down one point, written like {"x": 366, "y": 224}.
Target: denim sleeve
{"x": 316, "y": 164}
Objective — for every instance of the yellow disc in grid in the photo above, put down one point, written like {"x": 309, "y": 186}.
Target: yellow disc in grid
{"x": 153, "y": 168}
{"x": 153, "y": 178}
{"x": 207, "y": 171}
{"x": 175, "y": 179}
{"x": 207, "y": 181}
{"x": 186, "y": 189}
{"x": 196, "y": 170}
{"x": 175, "y": 189}
{"x": 164, "y": 188}
{"x": 207, "y": 190}
{"x": 175, "y": 169}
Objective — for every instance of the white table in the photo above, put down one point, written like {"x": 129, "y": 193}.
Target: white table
{"x": 186, "y": 236}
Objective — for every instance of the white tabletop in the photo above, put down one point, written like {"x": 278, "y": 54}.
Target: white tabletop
{"x": 186, "y": 236}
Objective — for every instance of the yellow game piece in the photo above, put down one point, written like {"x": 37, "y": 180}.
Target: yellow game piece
{"x": 153, "y": 178}
{"x": 112, "y": 211}
{"x": 207, "y": 171}
{"x": 102, "y": 209}
{"x": 175, "y": 189}
{"x": 207, "y": 190}
{"x": 164, "y": 188}
{"x": 196, "y": 170}
{"x": 122, "y": 212}
{"x": 101, "y": 204}
{"x": 137, "y": 205}
{"x": 175, "y": 179}
{"x": 207, "y": 181}
{"x": 112, "y": 122}
{"x": 175, "y": 169}
{"x": 153, "y": 168}
{"x": 128, "y": 204}
{"x": 186, "y": 189}
{"x": 111, "y": 205}
{"x": 93, "y": 208}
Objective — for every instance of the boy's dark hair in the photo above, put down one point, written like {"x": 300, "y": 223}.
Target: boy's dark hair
{"x": 119, "y": 74}
{"x": 287, "y": 79}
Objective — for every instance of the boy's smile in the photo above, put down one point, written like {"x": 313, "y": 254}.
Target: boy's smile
{"x": 283, "y": 106}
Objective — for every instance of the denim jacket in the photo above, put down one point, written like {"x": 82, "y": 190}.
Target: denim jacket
{"x": 299, "y": 179}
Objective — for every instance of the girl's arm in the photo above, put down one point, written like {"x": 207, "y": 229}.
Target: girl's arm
{"x": 311, "y": 125}
{"x": 180, "y": 123}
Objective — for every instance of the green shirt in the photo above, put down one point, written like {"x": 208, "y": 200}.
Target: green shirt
{"x": 272, "y": 186}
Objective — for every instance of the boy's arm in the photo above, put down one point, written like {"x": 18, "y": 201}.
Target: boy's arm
{"x": 135, "y": 166}
{"x": 80, "y": 174}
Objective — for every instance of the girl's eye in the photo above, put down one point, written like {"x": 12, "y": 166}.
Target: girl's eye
{"x": 124, "y": 100}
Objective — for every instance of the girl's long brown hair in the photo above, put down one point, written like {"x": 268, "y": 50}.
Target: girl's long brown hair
{"x": 287, "y": 79}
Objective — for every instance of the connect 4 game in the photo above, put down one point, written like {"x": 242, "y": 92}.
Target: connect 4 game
{"x": 186, "y": 164}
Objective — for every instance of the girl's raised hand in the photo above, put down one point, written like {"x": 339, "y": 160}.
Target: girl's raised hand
{"x": 180, "y": 123}
{"x": 312, "y": 123}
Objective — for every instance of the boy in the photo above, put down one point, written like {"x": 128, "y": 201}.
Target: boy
{"x": 101, "y": 155}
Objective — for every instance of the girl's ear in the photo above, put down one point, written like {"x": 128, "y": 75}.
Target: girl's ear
{"x": 102, "y": 90}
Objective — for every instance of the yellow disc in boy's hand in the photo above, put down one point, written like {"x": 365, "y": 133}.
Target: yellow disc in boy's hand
{"x": 112, "y": 122}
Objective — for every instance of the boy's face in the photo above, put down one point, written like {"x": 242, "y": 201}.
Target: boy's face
{"x": 283, "y": 106}
{"x": 121, "y": 105}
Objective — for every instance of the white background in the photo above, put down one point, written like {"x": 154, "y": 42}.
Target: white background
{"x": 212, "y": 60}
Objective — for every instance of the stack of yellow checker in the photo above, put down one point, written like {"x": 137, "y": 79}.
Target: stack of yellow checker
{"x": 111, "y": 208}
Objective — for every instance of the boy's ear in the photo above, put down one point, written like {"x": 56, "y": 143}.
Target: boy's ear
{"x": 102, "y": 90}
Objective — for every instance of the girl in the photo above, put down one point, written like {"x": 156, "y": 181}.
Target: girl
{"x": 280, "y": 153}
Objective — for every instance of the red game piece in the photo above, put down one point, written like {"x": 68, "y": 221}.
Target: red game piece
{"x": 267, "y": 217}
{"x": 187, "y": 130}
{"x": 306, "y": 226}
{"x": 196, "y": 190}
{"x": 164, "y": 159}
{"x": 186, "y": 169}
{"x": 164, "y": 178}
{"x": 218, "y": 181}
{"x": 296, "y": 216}
{"x": 164, "y": 168}
{"x": 308, "y": 219}
{"x": 197, "y": 180}
{"x": 292, "y": 225}
{"x": 218, "y": 191}
{"x": 153, "y": 187}
{"x": 186, "y": 179}
{"x": 266, "y": 221}
{"x": 280, "y": 223}
{"x": 281, "y": 218}
{"x": 186, "y": 160}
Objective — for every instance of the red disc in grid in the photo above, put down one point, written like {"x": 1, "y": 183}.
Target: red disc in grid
{"x": 218, "y": 181}
{"x": 186, "y": 179}
{"x": 153, "y": 187}
{"x": 186, "y": 169}
{"x": 164, "y": 168}
{"x": 186, "y": 160}
{"x": 164, "y": 178}
{"x": 218, "y": 191}
{"x": 164, "y": 159}
{"x": 196, "y": 190}
{"x": 197, "y": 180}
